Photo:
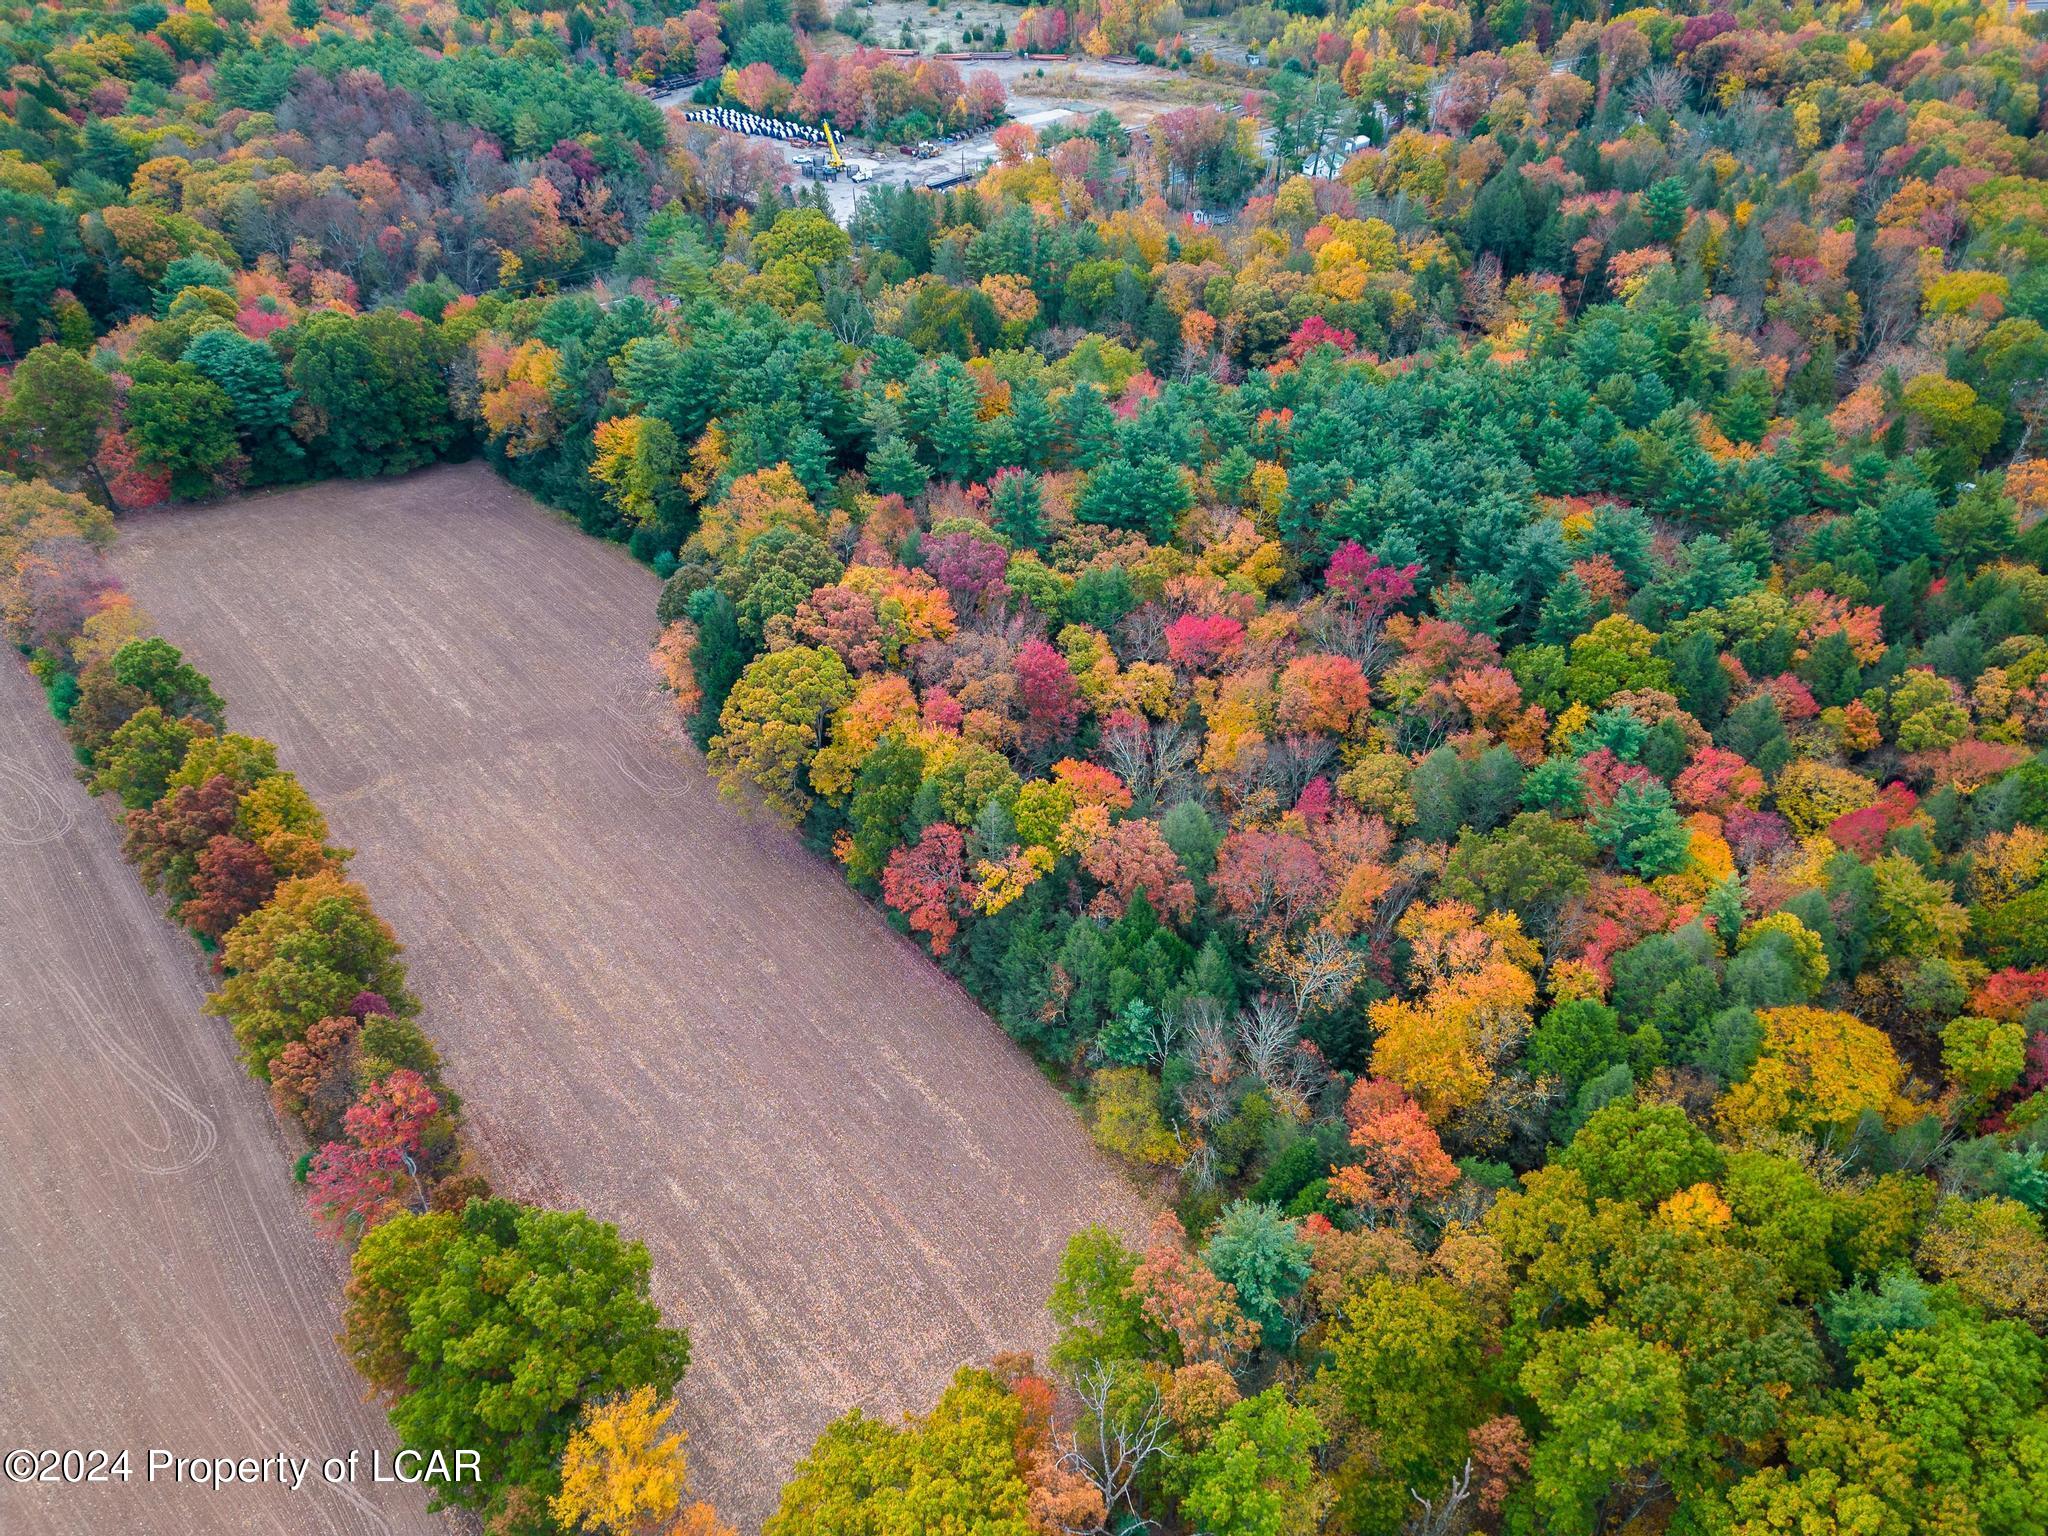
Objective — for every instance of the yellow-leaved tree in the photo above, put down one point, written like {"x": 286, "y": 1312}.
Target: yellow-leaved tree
{"x": 1817, "y": 1072}
{"x": 1445, "y": 1046}
{"x": 639, "y": 463}
{"x": 767, "y": 498}
{"x": 622, "y": 1476}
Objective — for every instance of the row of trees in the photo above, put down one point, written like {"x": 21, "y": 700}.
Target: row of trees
{"x": 501, "y": 1327}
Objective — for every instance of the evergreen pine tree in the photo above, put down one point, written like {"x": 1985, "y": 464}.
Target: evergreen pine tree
{"x": 1566, "y": 613}
{"x": 1031, "y": 426}
{"x": 1086, "y": 427}
{"x": 1831, "y": 671}
{"x": 893, "y": 470}
{"x": 718, "y": 660}
{"x": 1018, "y": 511}
{"x": 1557, "y": 471}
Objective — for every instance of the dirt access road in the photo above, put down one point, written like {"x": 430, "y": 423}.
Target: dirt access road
{"x": 159, "y": 1282}
{"x": 850, "y": 1180}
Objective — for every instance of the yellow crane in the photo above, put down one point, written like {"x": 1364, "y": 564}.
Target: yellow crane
{"x": 833, "y": 159}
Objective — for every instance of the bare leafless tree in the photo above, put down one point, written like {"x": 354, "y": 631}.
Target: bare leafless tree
{"x": 1442, "y": 1517}
{"x": 1127, "y": 747}
{"x": 1163, "y": 1033}
{"x": 1155, "y": 759}
{"x": 1174, "y": 749}
{"x": 1318, "y": 971}
{"x": 1209, "y": 1038}
{"x": 1205, "y": 1098}
{"x": 1292, "y": 761}
{"x": 1141, "y": 635}
{"x": 1660, "y": 90}
{"x": 1111, "y": 1442}
{"x": 1266, "y": 1030}
{"x": 1334, "y": 627}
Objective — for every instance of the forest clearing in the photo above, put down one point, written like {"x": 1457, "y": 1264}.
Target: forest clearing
{"x": 159, "y": 1284}
{"x": 849, "y": 1180}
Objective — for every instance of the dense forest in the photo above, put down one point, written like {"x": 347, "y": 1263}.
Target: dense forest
{"x": 1485, "y": 708}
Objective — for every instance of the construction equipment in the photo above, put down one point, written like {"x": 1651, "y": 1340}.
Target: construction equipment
{"x": 833, "y": 158}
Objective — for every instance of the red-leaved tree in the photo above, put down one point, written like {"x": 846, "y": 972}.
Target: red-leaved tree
{"x": 234, "y": 877}
{"x": 1367, "y": 585}
{"x": 1401, "y": 1163}
{"x": 923, "y": 882}
{"x": 1201, "y": 641}
{"x": 1270, "y": 881}
{"x": 1045, "y": 687}
{"x": 1134, "y": 856}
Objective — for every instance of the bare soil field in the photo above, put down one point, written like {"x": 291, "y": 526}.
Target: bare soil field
{"x": 850, "y": 1181}
{"x": 160, "y": 1285}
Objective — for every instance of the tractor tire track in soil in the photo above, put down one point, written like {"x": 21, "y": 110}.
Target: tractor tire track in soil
{"x": 159, "y": 1282}
{"x": 850, "y": 1181}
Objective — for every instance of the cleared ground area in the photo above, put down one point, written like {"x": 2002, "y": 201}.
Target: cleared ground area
{"x": 159, "y": 1283}
{"x": 850, "y": 1180}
